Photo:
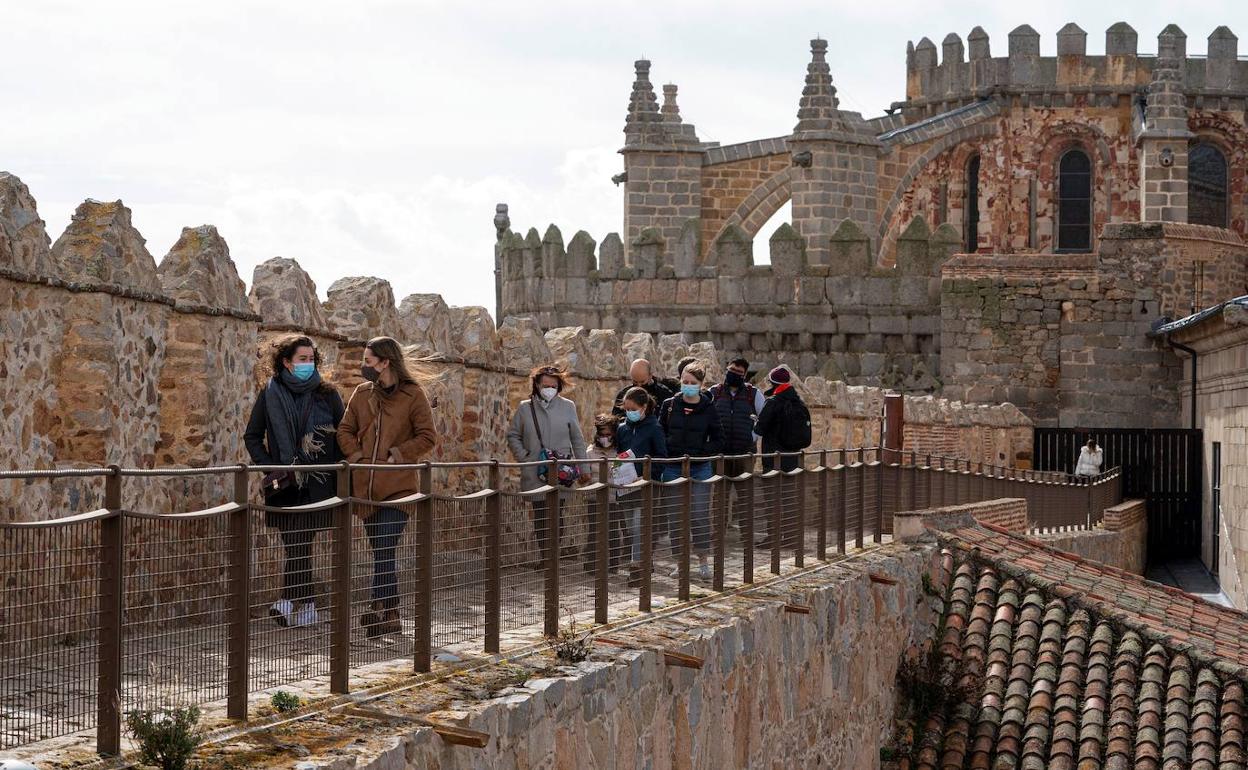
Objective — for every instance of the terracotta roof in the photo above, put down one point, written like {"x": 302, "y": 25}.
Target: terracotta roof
{"x": 1083, "y": 665}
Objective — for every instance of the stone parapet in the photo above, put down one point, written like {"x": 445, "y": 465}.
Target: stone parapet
{"x": 770, "y": 688}
{"x": 1120, "y": 71}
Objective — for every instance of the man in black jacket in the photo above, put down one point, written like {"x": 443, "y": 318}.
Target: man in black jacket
{"x": 738, "y": 404}
{"x": 643, "y": 377}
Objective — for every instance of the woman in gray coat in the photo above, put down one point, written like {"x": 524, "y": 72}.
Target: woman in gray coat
{"x": 546, "y": 421}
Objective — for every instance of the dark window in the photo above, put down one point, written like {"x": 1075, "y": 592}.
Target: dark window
{"x": 1206, "y": 185}
{"x": 1074, "y": 202}
{"x": 972, "y": 204}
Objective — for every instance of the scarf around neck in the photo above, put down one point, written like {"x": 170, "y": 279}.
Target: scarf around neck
{"x": 285, "y": 404}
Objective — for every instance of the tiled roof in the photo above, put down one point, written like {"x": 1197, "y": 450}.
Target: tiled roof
{"x": 1083, "y": 665}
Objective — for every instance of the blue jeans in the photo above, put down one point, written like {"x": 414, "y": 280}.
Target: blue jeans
{"x": 384, "y": 528}
{"x": 699, "y": 506}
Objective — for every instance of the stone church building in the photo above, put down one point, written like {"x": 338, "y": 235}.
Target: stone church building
{"x": 1010, "y": 230}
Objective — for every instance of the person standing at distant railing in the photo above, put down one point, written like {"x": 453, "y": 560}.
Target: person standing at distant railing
{"x": 546, "y": 427}
{"x": 1090, "y": 458}
{"x": 388, "y": 420}
{"x": 294, "y": 422}
{"x": 691, "y": 427}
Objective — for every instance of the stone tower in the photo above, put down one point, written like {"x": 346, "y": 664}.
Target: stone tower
{"x": 1164, "y": 138}
{"x": 834, "y": 162}
{"x": 662, "y": 165}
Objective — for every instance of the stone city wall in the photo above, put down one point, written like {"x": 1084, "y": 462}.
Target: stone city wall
{"x": 108, "y": 358}
{"x": 842, "y": 320}
{"x": 1121, "y": 540}
{"x": 1067, "y": 335}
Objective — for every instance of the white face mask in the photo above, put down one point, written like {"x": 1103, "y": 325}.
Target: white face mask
{"x": 604, "y": 441}
{"x": 548, "y": 394}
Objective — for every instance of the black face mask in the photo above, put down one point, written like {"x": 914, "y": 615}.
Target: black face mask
{"x": 370, "y": 374}
{"x": 734, "y": 379}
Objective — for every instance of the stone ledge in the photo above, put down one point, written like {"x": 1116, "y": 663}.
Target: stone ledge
{"x": 785, "y": 687}
{"x": 117, "y": 290}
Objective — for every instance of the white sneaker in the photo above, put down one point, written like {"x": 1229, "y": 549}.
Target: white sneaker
{"x": 704, "y": 571}
{"x": 281, "y": 612}
{"x": 306, "y": 616}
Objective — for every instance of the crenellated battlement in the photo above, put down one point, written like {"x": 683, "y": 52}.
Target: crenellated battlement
{"x": 960, "y": 73}
{"x": 846, "y": 317}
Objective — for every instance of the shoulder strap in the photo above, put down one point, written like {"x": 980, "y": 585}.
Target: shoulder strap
{"x": 536, "y": 425}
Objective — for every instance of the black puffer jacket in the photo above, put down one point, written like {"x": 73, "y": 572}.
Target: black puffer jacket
{"x": 691, "y": 429}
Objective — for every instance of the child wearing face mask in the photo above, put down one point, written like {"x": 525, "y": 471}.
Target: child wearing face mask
{"x": 619, "y": 536}
{"x": 639, "y": 434}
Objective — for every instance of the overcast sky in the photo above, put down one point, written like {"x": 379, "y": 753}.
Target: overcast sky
{"x": 373, "y": 137}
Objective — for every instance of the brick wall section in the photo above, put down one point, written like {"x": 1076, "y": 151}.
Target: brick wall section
{"x": 726, "y": 187}
{"x": 1008, "y": 513}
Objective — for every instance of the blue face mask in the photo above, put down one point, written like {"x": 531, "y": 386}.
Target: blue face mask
{"x": 633, "y": 415}
{"x": 303, "y": 371}
{"x": 689, "y": 390}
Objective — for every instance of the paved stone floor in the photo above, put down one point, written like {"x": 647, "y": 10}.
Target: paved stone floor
{"x": 1191, "y": 576}
{"x": 49, "y": 712}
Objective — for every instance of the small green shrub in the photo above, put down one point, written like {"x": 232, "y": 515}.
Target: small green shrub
{"x": 571, "y": 646}
{"x": 284, "y": 701}
{"x": 166, "y": 737}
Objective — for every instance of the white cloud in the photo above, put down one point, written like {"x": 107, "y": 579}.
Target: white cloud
{"x": 376, "y": 136}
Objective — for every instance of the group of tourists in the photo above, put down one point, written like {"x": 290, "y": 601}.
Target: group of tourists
{"x": 300, "y": 420}
{"x": 680, "y": 425}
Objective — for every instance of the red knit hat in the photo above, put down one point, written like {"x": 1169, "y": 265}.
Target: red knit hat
{"x": 779, "y": 375}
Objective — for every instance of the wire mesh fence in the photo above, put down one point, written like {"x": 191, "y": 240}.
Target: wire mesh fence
{"x": 118, "y": 609}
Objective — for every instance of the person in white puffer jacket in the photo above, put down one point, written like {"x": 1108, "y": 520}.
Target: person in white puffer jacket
{"x": 1090, "y": 458}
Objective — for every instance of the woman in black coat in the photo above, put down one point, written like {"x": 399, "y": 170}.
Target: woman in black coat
{"x": 294, "y": 422}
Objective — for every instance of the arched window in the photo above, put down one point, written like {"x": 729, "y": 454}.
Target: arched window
{"x": 971, "y": 238}
{"x": 1206, "y": 185}
{"x": 1074, "y": 201}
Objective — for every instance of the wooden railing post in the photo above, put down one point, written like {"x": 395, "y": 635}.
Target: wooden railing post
{"x": 603, "y": 539}
{"x": 879, "y": 497}
{"x": 799, "y": 554}
{"x": 821, "y": 542}
{"x": 777, "y": 513}
{"x": 686, "y": 534}
{"x": 647, "y": 538}
{"x": 340, "y": 611}
{"x": 862, "y": 497}
{"x": 110, "y": 614}
{"x": 550, "y": 625}
{"x": 842, "y": 484}
{"x": 238, "y": 648}
{"x": 494, "y": 561}
{"x": 721, "y": 524}
{"x": 747, "y": 523}
{"x": 423, "y": 646}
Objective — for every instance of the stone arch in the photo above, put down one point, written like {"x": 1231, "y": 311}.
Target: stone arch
{"x": 1053, "y": 144}
{"x": 960, "y": 141}
{"x": 759, "y": 206}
